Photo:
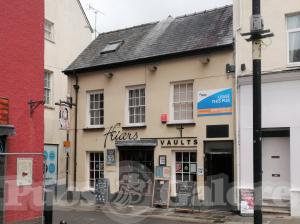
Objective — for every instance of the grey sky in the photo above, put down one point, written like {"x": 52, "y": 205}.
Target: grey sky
{"x": 125, "y": 13}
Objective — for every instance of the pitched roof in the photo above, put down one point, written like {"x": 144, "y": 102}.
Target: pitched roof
{"x": 172, "y": 36}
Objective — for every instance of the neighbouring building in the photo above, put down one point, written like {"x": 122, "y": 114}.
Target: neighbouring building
{"x": 280, "y": 103}
{"x": 158, "y": 94}
{"x": 67, "y": 33}
{"x": 21, "y": 111}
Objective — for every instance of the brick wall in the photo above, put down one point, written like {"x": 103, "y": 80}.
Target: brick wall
{"x": 21, "y": 80}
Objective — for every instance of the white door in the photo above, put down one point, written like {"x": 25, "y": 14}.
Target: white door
{"x": 276, "y": 168}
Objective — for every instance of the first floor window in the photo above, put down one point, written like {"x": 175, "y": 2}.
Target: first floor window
{"x": 182, "y": 101}
{"x": 47, "y": 87}
{"x": 96, "y": 167}
{"x": 293, "y": 30}
{"x": 95, "y": 108}
{"x": 49, "y": 30}
{"x": 186, "y": 166}
{"x": 136, "y": 105}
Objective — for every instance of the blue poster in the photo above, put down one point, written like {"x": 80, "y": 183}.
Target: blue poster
{"x": 50, "y": 164}
{"x": 215, "y": 102}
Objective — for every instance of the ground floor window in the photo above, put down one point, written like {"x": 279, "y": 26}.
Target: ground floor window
{"x": 186, "y": 166}
{"x": 96, "y": 167}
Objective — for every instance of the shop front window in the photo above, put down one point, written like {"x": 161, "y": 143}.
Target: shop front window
{"x": 186, "y": 166}
{"x": 96, "y": 168}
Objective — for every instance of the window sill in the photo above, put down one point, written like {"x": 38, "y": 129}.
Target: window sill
{"x": 48, "y": 106}
{"x": 173, "y": 123}
{"x": 94, "y": 129}
{"x": 134, "y": 126}
{"x": 51, "y": 41}
{"x": 293, "y": 65}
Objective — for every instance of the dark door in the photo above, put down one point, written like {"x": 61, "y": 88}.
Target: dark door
{"x": 2, "y": 176}
{"x": 219, "y": 177}
{"x": 136, "y": 173}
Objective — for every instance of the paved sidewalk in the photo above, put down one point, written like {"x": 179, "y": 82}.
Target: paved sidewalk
{"x": 140, "y": 214}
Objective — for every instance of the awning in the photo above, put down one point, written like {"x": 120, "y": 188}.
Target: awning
{"x": 137, "y": 143}
{"x": 7, "y": 130}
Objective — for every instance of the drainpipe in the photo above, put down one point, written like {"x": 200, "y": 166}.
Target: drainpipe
{"x": 76, "y": 88}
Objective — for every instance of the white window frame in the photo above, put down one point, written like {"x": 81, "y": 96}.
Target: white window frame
{"x": 51, "y": 31}
{"x": 50, "y": 73}
{"x": 127, "y": 106}
{"x": 171, "y": 108}
{"x": 88, "y": 124}
{"x": 189, "y": 162}
{"x": 288, "y": 39}
{"x": 89, "y": 168}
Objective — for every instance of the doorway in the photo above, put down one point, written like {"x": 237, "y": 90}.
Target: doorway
{"x": 219, "y": 175}
{"x": 276, "y": 168}
{"x": 136, "y": 173}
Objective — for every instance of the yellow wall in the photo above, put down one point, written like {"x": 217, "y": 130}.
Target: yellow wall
{"x": 158, "y": 84}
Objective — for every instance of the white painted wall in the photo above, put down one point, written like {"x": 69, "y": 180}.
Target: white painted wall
{"x": 280, "y": 108}
{"x": 71, "y": 35}
{"x": 274, "y": 52}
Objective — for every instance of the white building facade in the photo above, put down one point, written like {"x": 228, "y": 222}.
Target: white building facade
{"x": 67, "y": 33}
{"x": 280, "y": 103}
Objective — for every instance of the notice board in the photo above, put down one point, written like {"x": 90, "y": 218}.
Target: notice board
{"x": 185, "y": 195}
{"x": 102, "y": 191}
{"x": 161, "y": 192}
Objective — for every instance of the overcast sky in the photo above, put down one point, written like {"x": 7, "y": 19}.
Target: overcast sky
{"x": 117, "y": 14}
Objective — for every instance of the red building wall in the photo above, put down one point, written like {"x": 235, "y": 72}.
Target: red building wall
{"x": 21, "y": 80}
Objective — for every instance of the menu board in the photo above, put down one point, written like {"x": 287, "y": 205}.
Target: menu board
{"x": 110, "y": 156}
{"x": 185, "y": 194}
{"x": 102, "y": 191}
{"x": 161, "y": 192}
{"x": 247, "y": 201}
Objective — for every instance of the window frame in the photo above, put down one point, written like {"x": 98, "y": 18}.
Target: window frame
{"x": 51, "y": 39}
{"x": 288, "y": 31}
{"x": 182, "y": 162}
{"x": 88, "y": 116}
{"x": 127, "y": 119}
{"x": 94, "y": 170}
{"x": 171, "y": 108}
{"x": 50, "y": 73}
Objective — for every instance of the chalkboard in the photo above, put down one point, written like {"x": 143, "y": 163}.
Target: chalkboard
{"x": 185, "y": 194}
{"x": 102, "y": 191}
{"x": 161, "y": 192}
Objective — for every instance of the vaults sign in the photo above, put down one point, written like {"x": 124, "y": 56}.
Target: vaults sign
{"x": 178, "y": 142}
{"x": 3, "y": 111}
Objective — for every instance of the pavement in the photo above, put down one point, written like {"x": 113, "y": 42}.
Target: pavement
{"x": 145, "y": 215}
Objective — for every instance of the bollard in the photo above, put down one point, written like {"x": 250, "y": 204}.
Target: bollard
{"x": 48, "y": 207}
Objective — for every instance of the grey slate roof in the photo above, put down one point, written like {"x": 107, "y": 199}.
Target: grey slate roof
{"x": 189, "y": 33}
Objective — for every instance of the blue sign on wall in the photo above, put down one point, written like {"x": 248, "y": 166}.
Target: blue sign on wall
{"x": 214, "y": 102}
{"x": 50, "y": 164}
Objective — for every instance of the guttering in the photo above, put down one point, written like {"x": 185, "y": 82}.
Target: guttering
{"x": 149, "y": 59}
{"x": 76, "y": 88}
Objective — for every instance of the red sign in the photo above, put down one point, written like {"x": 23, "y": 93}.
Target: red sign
{"x": 3, "y": 111}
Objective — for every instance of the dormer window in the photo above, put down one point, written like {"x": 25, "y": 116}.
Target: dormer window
{"x": 112, "y": 46}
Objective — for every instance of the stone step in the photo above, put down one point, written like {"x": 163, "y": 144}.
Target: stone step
{"x": 276, "y": 206}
